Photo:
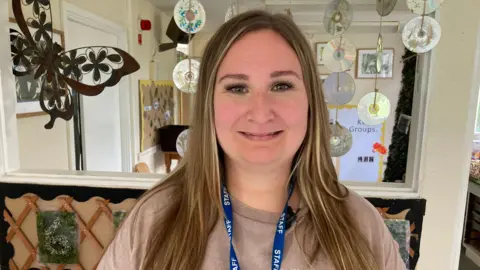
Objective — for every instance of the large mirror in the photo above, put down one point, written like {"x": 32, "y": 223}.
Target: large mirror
{"x": 138, "y": 124}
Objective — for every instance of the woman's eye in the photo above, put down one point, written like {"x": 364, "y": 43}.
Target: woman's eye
{"x": 237, "y": 89}
{"x": 282, "y": 87}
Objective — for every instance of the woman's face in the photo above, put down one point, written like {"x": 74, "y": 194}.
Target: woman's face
{"x": 260, "y": 101}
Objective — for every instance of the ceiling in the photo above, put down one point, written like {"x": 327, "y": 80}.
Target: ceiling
{"x": 308, "y": 14}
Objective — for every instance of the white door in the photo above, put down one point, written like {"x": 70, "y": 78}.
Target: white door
{"x": 100, "y": 115}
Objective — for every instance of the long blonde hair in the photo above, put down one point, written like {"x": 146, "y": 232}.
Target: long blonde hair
{"x": 179, "y": 238}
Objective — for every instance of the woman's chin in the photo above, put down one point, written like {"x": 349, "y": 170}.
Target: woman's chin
{"x": 259, "y": 158}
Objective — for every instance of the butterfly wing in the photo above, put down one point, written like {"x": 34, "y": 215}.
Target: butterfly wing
{"x": 85, "y": 71}
{"x": 22, "y": 54}
{"x": 31, "y": 44}
{"x": 55, "y": 98}
{"x": 89, "y": 70}
{"x": 37, "y": 27}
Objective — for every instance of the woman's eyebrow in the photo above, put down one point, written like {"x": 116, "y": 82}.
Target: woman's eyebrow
{"x": 245, "y": 77}
{"x": 284, "y": 73}
{"x": 234, "y": 76}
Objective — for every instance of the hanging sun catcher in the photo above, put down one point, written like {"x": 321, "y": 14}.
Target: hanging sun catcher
{"x": 60, "y": 72}
{"x": 422, "y": 33}
{"x": 341, "y": 140}
{"x": 338, "y": 17}
{"x": 374, "y": 107}
{"x": 182, "y": 142}
{"x": 185, "y": 75}
{"x": 423, "y": 7}
{"x": 339, "y": 88}
{"x": 190, "y": 17}
{"x": 338, "y": 56}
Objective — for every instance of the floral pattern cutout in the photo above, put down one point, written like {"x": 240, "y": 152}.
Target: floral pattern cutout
{"x": 34, "y": 52}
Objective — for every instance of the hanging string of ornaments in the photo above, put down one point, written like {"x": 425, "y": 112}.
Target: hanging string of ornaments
{"x": 374, "y": 107}
{"x": 189, "y": 15}
{"x": 420, "y": 35}
{"x": 339, "y": 55}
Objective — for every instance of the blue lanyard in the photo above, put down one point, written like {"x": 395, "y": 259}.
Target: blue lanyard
{"x": 278, "y": 242}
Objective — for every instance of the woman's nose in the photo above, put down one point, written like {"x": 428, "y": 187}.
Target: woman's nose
{"x": 260, "y": 109}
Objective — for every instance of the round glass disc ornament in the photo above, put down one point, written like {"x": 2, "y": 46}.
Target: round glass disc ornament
{"x": 423, "y": 7}
{"x": 338, "y": 17}
{"x": 185, "y": 75}
{"x": 181, "y": 143}
{"x": 421, "y": 39}
{"x": 339, "y": 88}
{"x": 341, "y": 140}
{"x": 189, "y": 15}
{"x": 339, "y": 54}
{"x": 373, "y": 111}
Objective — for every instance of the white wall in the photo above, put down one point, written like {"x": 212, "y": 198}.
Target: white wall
{"x": 449, "y": 130}
{"x": 199, "y": 42}
{"x": 42, "y": 148}
{"x": 160, "y": 69}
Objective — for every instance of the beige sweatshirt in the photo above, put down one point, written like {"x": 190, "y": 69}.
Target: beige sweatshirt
{"x": 253, "y": 239}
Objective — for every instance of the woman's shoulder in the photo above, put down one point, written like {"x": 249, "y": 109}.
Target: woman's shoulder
{"x": 148, "y": 209}
{"x": 154, "y": 201}
{"x": 129, "y": 245}
{"x": 373, "y": 229}
{"x": 364, "y": 214}
{"x": 359, "y": 206}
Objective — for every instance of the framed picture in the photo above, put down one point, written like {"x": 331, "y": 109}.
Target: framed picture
{"x": 27, "y": 88}
{"x": 319, "y": 46}
{"x": 366, "y": 64}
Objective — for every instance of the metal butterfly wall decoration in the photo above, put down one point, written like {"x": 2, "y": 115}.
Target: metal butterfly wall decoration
{"x": 57, "y": 71}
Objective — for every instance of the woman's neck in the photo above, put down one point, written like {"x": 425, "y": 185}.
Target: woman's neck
{"x": 265, "y": 190}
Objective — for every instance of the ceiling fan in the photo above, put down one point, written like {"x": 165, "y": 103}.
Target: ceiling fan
{"x": 176, "y": 35}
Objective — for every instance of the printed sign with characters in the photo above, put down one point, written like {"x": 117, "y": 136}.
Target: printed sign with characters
{"x": 364, "y": 161}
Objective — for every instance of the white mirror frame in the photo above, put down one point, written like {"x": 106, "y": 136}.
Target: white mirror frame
{"x": 11, "y": 172}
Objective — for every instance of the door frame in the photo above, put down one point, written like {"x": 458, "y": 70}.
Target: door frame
{"x": 75, "y": 14}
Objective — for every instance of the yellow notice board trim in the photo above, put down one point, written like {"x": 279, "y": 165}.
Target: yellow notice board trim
{"x": 382, "y": 141}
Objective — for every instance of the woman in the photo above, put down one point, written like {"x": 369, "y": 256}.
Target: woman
{"x": 257, "y": 168}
